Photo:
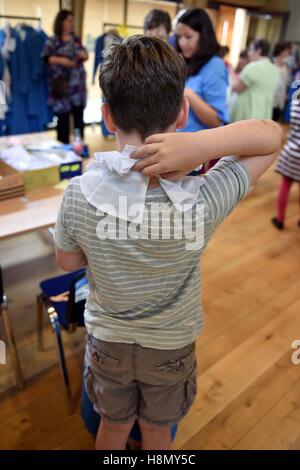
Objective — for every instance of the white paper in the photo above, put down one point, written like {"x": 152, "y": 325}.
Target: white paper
{"x": 109, "y": 177}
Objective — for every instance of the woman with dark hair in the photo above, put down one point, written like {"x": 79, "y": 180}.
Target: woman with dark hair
{"x": 207, "y": 75}
{"x": 65, "y": 55}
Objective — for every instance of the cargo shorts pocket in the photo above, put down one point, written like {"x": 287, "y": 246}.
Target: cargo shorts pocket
{"x": 190, "y": 390}
{"x": 99, "y": 357}
{"x": 179, "y": 366}
{"x": 88, "y": 383}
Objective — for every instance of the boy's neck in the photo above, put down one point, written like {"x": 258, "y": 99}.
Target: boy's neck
{"x": 136, "y": 141}
{"x": 129, "y": 139}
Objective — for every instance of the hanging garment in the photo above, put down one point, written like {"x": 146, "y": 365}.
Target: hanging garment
{"x": 21, "y": 49}
{"x": 101, "y": 43}
{"x": 99, "y": 47}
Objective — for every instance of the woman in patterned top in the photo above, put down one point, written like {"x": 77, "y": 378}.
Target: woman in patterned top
{"x": 289, "y": 164}
{"x": 65, "y": 55}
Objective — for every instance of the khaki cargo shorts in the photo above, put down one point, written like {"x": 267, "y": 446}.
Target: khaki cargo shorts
{"x": 127, "y": 382}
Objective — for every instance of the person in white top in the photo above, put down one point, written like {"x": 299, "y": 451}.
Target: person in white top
{"x": 281, "y": 53}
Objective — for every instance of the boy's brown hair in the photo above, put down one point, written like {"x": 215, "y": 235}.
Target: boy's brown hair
{"x": 142, "y": 79}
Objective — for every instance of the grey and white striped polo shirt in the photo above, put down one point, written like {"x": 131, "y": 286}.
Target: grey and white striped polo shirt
{"x": 147, "y": 291}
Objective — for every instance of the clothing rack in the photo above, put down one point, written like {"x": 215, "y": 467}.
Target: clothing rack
{"x": 14, "y": 17}
{"x": 117, "y": 25}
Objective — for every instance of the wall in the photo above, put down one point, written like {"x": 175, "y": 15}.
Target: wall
{"x": 226, "y": 15}
{"x": 293, "y": 27}
{"x": 47, "y": 9}
{"x": 264, "y": 5}
{"x": 269, "y": 29}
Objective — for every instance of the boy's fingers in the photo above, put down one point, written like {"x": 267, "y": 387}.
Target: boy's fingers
{"x": 145, "y": 151}
{"x": 154, "y": 139}
{"x": 153, "y": 170}
{"x": 141, "y": 164}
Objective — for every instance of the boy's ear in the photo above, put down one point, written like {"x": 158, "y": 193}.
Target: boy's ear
{"x": 183, "y": 114}
{"x": 109, "y": 122}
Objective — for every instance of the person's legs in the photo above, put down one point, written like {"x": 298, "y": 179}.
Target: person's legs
{"x": 167, "y": 389}
{"x": 283, "y": 195}
{"x": 112, "y": 436}
{"x": 63, "y": 127}
{"x": 111, "y": 387}
{"x": 154, "y": 437}
{"x": 282, "y": 200}
{"x": 78, "y": 119}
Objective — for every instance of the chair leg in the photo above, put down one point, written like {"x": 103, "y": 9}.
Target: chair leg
{"x": 8, "y": 328}
{"x": 39, "y": 321}
{"x": 61, "y": 357}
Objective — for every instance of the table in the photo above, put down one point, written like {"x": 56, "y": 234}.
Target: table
{"x": 36, "y": 210}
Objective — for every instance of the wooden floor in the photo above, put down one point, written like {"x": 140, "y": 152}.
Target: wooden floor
{"x": 248, "y": 388}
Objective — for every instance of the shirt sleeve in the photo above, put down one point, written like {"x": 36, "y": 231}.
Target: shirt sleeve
{"x": 64, "y": 237}
{"x": 247, "y": 75}
{"x": 48, "y": 50}
{"x": 78, "y": 44}
{"x": 215, "y": 88}
{"x": 225, "y": 185}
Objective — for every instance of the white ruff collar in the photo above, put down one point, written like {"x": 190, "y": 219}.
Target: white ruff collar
{"x": 109, "y": 177}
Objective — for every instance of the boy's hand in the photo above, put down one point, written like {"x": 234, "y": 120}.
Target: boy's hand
{"x": 173, "y": 155}
{"x": 167, "y": 155}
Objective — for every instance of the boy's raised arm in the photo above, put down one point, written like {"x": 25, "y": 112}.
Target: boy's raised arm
{"x": 174, "y": 154}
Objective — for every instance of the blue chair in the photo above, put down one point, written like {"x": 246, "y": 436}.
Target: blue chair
{"x": 65, "y": 310}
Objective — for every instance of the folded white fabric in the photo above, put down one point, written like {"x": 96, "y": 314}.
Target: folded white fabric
{"x": 108, "y": 179}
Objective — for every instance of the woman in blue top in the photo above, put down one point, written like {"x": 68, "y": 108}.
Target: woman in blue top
{"x": 207, "y": 76}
